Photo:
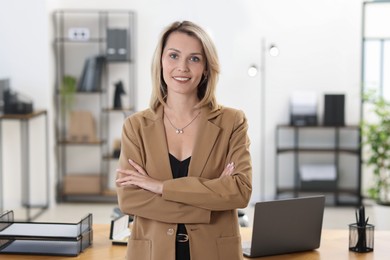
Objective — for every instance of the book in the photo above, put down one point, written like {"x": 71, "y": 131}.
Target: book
{"x": 90, "y": 79}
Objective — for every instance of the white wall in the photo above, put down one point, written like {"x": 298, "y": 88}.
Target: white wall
{"x": 25, "y": 58}
{"x": 319, "y": 44}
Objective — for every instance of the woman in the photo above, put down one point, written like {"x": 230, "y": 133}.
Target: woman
{"x": 185, "y": 165}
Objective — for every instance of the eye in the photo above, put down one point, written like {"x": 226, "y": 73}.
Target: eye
{"x": 173, "y": 56}
{"x": 195, "y": 59}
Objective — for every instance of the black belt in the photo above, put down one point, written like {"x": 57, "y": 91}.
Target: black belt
{"x": 182, "y": 238}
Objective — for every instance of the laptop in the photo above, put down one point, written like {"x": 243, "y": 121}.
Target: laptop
{"x": 286, "y": 226}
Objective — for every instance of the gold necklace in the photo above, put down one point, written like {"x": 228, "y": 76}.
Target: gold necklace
{"x": 181, "y": 130}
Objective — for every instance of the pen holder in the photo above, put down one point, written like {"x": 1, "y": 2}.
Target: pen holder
{"x": 361, "y": 238}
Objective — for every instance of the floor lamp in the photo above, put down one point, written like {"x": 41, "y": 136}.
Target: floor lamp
{"x": 273, "y": 51}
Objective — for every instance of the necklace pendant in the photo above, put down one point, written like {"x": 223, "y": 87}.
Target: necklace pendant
{"x": 181, "y": 130}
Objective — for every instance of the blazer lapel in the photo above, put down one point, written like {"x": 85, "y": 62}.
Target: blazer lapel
{"x": 205, "y": 141}
{"x": 156, "y": 144}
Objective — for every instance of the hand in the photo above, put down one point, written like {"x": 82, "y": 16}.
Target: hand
{"x": 228, "y": 171}
{"x": 138, "y": 177}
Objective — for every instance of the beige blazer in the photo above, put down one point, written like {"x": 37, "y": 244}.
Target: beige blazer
{"x": 202, "y": 201}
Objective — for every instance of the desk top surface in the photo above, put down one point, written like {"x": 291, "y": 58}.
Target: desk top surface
{"x": 334, "y": 245}
{"x": 23, "y": 116}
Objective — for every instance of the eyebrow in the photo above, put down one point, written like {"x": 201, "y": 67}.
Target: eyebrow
{"x": 194, "y": 53}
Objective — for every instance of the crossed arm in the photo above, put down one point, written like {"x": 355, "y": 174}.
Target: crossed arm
{"x": 140, "y": 178}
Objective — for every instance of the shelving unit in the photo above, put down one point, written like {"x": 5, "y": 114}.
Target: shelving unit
{"x": 86, "y": 165}
{"x": 318, "y": 148}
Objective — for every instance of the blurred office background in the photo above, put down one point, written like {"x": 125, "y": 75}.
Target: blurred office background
{"x": 268, "y": 49}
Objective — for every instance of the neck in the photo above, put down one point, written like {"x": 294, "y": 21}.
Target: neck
{"x": 184, "y": 107}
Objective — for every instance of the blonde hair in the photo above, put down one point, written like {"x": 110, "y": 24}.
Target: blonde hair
{"x": 207, "y": 85}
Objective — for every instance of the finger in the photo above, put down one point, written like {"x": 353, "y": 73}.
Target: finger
{"x": 121, "y": 182}
{"x": 126, "y": 184}
{"x": 225, "y": 171}
{"x": 137, "y": 167}
{"x": 124, "y": 171}
{"x": 131, "y": 175}
{"x": 230, "y": 166}
{"x": 230, "y": 169}
{"x": 129, "y": 180}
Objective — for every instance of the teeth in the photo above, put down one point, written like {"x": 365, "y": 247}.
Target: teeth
{"x": 181, "y": 79}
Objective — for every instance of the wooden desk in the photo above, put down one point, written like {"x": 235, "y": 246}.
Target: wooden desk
{"x": 334, "y": 246}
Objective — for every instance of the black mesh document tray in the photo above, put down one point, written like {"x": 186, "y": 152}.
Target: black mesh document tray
{"x": 43, "y": 238}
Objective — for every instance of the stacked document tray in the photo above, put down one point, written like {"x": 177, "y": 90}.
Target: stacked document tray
{"x": 38, "y": 238}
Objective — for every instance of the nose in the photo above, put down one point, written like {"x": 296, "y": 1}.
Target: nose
{"x": 183, "y": 66}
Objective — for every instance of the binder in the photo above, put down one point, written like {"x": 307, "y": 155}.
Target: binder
{"x": 90, "y": 79}
{"x": 117, "y": 45}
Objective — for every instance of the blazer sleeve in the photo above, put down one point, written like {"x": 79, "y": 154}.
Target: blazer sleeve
{"x": 136, "y": 201}
{"x": 219, "y": 193}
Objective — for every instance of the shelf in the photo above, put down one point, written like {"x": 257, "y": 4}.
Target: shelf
{"x": 80, "y": 184}
{"x": 98, "y": 142}
{"x": 23, "y": 116}
{"x": 310, "y": 145}
{"x": 319, "y": 126}
{"x": 131, "y": 109}
{"x": 109, "y": 157}
{"x": 89, "y": 41}
{"x": 110, "y": 193}
{"x": 318, "y": 150}
{"x": 95, "y": 91}
{"x": 292, "y": 190}
{"x": 90, "y": 198}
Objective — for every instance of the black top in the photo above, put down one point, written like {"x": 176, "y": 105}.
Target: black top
{"x": 179, "y": 169}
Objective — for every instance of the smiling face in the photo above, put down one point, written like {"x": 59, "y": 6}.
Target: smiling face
{"x": 183, "y": 63}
